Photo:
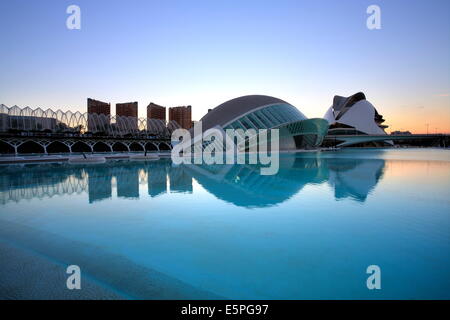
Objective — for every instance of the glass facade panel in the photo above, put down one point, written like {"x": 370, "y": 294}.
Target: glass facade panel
{"x": 268, "y": 117}
{"x": 248, "y": 122}
{"x": 263, "y": 118}
{"x": 272, "y": 115}
{"x": 259, "y": 124}
{"x": 239, "y": 125}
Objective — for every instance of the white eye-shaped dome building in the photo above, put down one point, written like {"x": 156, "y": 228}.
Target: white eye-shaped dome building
{"x": 354, "y": 115}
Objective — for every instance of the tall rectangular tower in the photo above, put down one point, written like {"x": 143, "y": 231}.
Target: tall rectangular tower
{"x": 95, "y": 109}
{"x": 182, "y": 115}
{"x": 127, "y": 109}
{"x": 127, "y": 117}
{"x": 155, "y": 111}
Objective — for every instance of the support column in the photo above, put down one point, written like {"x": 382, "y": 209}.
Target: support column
{"x": 69, "y": 144}
{"x": 90, "y": 144}
{"x": 44, "y": 144}
{"x": 15, "y": 143}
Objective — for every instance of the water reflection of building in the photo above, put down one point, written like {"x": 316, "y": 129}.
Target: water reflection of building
{"x": 241, "y": 185}
{"x": 157, "y": 178}
{"x": 180, "y": 180}
{"x": 38, "y": 181}
{"x": 128, "y": 182}
{"x": 354, "y": 178}
{"x": 99, "y": 184}
{"x": 98, "y": 181}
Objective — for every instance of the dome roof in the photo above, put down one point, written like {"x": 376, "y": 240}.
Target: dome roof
{"x": 231, "y": 109}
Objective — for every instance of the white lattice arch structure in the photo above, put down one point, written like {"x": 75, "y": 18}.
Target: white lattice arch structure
{"x": 66, "y": 122}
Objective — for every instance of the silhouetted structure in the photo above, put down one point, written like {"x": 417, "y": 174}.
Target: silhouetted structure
{"x": 397, "y": 132}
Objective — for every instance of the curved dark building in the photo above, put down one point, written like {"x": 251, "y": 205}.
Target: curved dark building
{"x": 265, "y": 112}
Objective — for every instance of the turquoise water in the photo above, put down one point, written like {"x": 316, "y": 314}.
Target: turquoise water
{"x": 155, "y": 230}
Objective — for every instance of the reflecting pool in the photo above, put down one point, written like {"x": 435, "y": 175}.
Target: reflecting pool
{"x": 153, "y": 230}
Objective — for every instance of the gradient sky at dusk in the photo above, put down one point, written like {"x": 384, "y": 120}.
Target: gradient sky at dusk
{"x": 203, "y": 53}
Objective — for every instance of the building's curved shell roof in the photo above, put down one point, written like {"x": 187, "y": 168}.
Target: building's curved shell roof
{"x": 232, "y": 109}
{"x": 354, "y": 111}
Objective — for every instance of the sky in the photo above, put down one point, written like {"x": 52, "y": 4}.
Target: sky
{"x": 203, "y": 53}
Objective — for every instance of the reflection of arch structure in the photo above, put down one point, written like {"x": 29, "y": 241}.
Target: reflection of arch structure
{"x": 47, "y": 180}
{"x": 23, "y": 182}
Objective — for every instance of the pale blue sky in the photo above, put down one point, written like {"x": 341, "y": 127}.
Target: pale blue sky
{"x": 206, "y": 52}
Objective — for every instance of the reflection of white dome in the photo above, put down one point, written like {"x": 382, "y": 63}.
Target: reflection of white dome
{"x": 354, "y": 112}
